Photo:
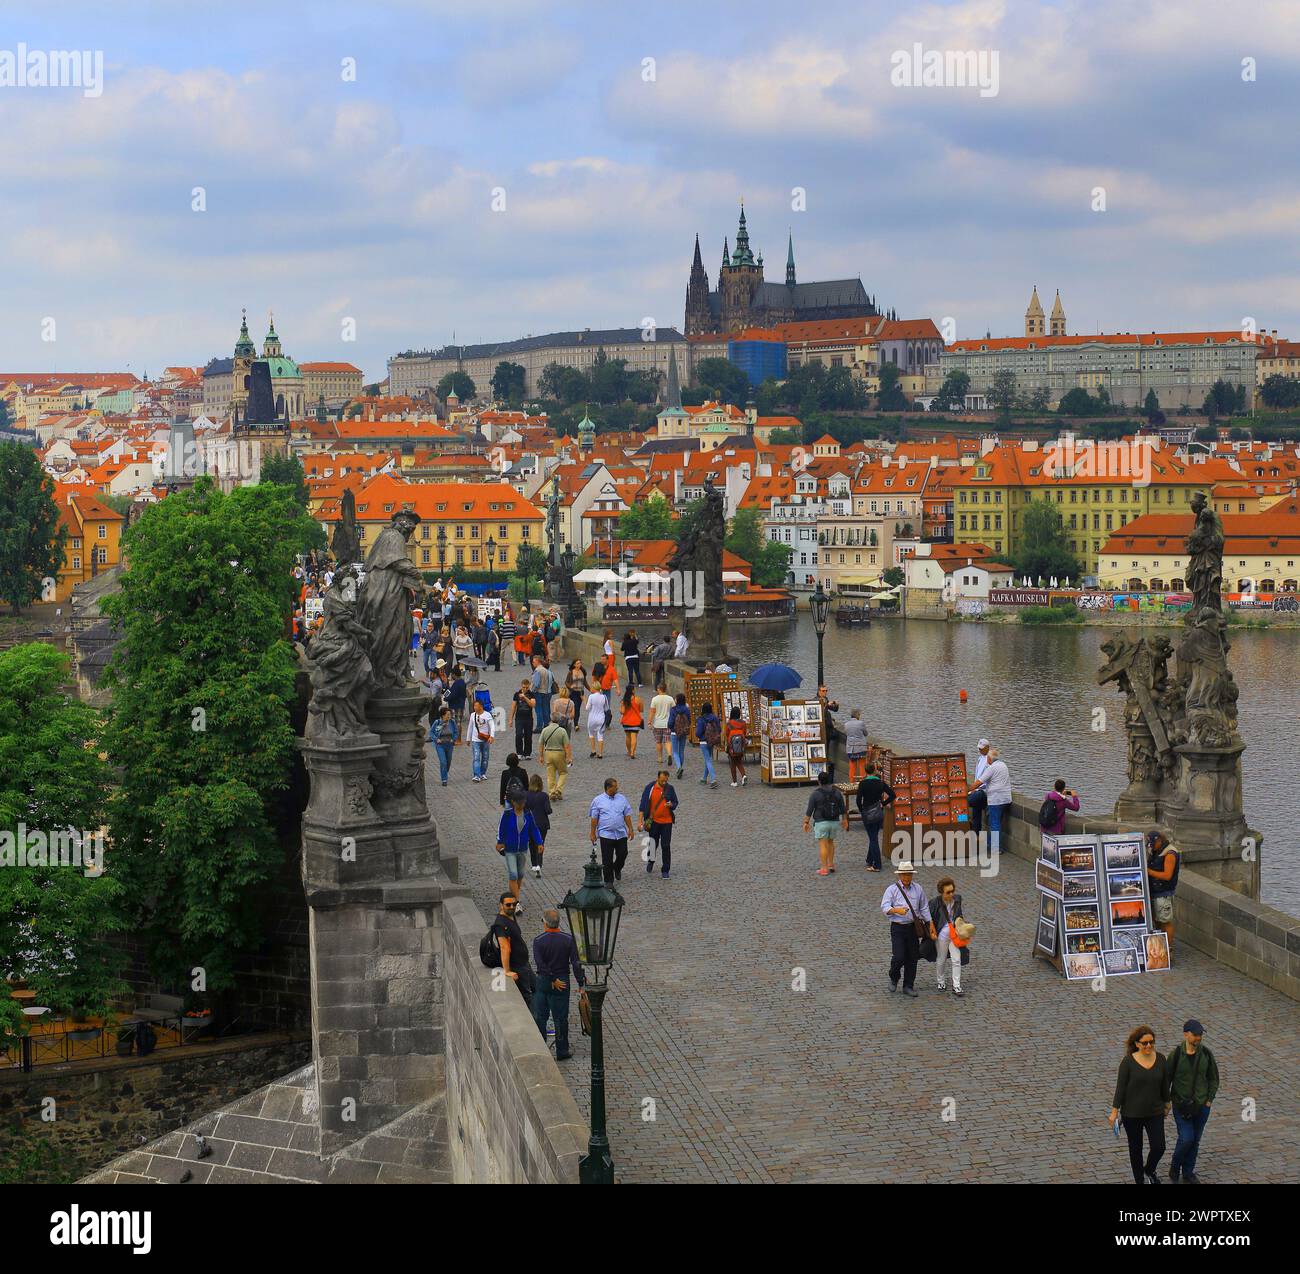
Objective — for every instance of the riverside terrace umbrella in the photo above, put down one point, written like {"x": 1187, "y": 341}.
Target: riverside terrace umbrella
{"x": 776, "y": 678}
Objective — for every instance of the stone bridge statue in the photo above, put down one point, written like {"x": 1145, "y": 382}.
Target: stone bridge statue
{"x": 339, "y": 667}
{"x": 698, "y": 559}
{"x": 392, "y": 584}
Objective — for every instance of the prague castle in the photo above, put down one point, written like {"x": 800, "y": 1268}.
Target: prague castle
{"x": 1036, "y": 325}
{"x": 744, "y": 299}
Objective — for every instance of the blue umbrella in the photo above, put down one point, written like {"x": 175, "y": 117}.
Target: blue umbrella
{"x": 777, "y": 678}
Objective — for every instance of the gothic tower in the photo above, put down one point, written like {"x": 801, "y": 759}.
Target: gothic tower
{"x": 1058, "y": 316}
{"x": 698, "y": 318}
{"x": 739, "y": 282}
{"x": 1035, "y": 324}
{"x": 789, "y": 264}
{"x": 245, "y": 352}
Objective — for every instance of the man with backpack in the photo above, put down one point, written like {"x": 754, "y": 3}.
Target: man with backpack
{"x": 1051, "y": 814}
{"x": 826, "y": 813}
{"x": 503, "y": 947}
{"x": 517, "y": 833}
{"x": 480, "y": 732}
{"x": 708, "y": 730}
{"x": 679, "y": 730}
{"x": 513, "y": 776}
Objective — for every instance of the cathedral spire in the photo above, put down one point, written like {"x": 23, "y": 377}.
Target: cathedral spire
{"x": 742, "y": 254}
{"x": 697, "y": 264}
{"x": 674, "y": 391}
{"x": 726, "y": 260}
{"x": 789, "y": 264}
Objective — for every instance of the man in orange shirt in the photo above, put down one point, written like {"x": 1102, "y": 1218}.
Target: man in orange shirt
{"x": 658, "y": 814}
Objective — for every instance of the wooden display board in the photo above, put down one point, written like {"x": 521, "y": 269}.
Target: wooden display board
{"x": 792, "y": 740}
{"x": 724, "y": 691}
{"x": 929, "y": 791}
{"x": 1094, "y": 907}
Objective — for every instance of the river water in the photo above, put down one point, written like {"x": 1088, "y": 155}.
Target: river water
{"x": 1032, "y": 690}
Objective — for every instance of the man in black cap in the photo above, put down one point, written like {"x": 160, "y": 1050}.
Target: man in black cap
{"x": 1193, "y": 1081}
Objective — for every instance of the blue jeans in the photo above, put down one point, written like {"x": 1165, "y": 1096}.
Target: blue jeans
{"x": 548, "y": 1002}
{"x": 481, "y": 749}
{"x": 707, "y": 753}
{"x": 445, "y": 752}
{"x": 543, "y": 710}
{"x": 1189, "y": 1142}
{"x": 995, "y": 827}
{"x": 873, "y": 843}
{"x": 679, "y": 750}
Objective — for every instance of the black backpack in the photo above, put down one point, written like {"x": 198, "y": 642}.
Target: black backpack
{"x": 489, "y": 950}
{"x": 1048, "y": 813}
{"x": 736, "y": 744}
{"x": 828, "y": 805}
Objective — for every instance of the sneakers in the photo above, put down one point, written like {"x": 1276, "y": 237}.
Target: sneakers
{"x": 650, "y": 865}
{"x": 733, "y": 783}
{"x": 537, "y": 871}
{"x": 679, "y": 771}
{"x": 907, "y": 990}
{"x": 959, "y": 993}
{"x": 704, "y": 780}
{"x": 714, "y": 784}
{"x": 663, "y": 875}
{"x": 744, "y": 778}
{"x": 943, "y": 986}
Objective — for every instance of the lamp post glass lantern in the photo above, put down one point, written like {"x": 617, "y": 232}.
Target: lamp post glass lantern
{"x": 492, "y": 557}
{"x": 593, "y": 913}
{"x": 821, "y": 609}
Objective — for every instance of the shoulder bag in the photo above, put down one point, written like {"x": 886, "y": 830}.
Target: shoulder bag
{"x": 929, "y": 951}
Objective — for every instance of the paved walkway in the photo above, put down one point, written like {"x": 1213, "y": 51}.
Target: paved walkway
{"x": 720, "y": 1071}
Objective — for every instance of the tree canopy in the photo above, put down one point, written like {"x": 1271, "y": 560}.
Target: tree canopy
{"x": 32, "y": 539}
{"x": 1044, "y": 550}
{"x": 650, "y": 519}
{"x": 458, "y": 383}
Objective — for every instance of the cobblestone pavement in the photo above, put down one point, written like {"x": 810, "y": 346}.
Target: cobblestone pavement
{"x": 719, "y": 1071}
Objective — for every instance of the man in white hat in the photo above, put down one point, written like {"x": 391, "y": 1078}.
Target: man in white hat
{"x": 908, "y": 910}
{"x": 978, "y": 799}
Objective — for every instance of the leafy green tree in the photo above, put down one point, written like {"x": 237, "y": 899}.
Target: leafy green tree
{"x": 199, "y": 729}
{"x": 643, "y": 385}
{"x": 56, "y": 921}
{"x": 1044, "y": 549}
{"x": 952, "y": 393}
{"x": 1039, "y": 398}
{"x": 785, "y": 437}
{"x": 530, "y": 562}
{"x": 745, "y": 535}
{"x": 32, "y": 539}
{"x": 767, "y": 397}
{"x": 1280, "y": 391}
{"x": 4, "y": 414}
{"x": 608, "y": 379}
{"x": 1150, "y": 404}
{"x": 565, "y": 385}
{"x": 650, "y": 519}
{"x": 891, "y": 396}
{"x": 893, "y": 576}
{"x": 723, "y": 381}
{"x": 1002, "y": 393}
{"x": 458, "y": 383}
{"x": 287, "y": 471}
{"x": 773, "y": 564}
{"x": 1076, "y": 402}
{"x": 508, "y": 383}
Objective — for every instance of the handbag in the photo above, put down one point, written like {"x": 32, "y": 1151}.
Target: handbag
{"x": 929, "y": 950}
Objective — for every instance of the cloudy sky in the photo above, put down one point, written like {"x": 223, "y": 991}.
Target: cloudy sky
{"x": 371, "y": 199}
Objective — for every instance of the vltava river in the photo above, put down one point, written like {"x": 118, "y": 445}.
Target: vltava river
{"x": 1033, "y": 690}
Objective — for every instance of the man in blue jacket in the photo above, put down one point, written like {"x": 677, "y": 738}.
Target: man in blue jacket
{"x": 658, "y": 814}
{"x": 517, "y": 831}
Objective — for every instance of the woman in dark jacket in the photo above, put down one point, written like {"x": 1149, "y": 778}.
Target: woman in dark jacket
{"x": 1142, "y": 1102}
{"x": 538, "y": 804}
{"x": 632, "y": 656}
{"x": 872, "y": 796}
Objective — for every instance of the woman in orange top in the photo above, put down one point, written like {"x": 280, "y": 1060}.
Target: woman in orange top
{"x": 736, "y": 741}
{"x": 633, "y": 719}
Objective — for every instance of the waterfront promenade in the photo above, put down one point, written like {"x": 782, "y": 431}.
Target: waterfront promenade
{"x": 718, "y": 1070}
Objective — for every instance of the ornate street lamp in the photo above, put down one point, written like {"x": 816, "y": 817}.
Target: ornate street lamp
{"x": 593, "y": 913}
{"x": 821, "y": 609}
{"x": 492, "y": 557}
{"x": 442, "y": 552}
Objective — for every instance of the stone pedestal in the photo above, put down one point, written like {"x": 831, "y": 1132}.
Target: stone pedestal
{"x": 1203, "y": 810}
{"x": 344, "y": 841}
{"x": 399, "y": 718}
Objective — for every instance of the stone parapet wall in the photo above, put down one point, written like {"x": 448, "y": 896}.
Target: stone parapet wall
{"x": 510, "y": 1117}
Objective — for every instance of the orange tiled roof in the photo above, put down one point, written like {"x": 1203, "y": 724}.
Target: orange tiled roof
{"x": 470, "y": 501}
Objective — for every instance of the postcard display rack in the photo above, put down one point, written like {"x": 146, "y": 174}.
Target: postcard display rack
{"x": 724, "y": 691}
{"x": 792, "y": 740}
{"x": 1094, "y": 907}
{"x": 929, "y": 791}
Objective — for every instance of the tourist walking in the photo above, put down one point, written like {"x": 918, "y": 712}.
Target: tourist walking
{"x": 950, "y": 946}
{"x": 996, "y": 785}
{"x": 457, "y": 695}
{"x": 462, "y": 643}
{"x": 521, "y": 717}
{"x": 737, "y": 740}
{"x": 660, "y": 708}
{"x": 557, "y": 755}
{"x": 562, "y": 709}
{"x": 517, "y": 833}
{"x": 679, "y": 731}
{"x": 855, "y": 745}
{"x": 1193, "y": 1084}
{"x": 577, "y": 683}
{"x": 611, "y": 826}
{"x": 708, "y": 733}
{"x": 480, "y": 732}
{"x": 514, "y": 775}
{"x": 1056, "y": 804}
{"x": 494, "y": 646}
{"x": 597, "y": 708}
{"x": 554, "y": 955}
{"x": 658, "y": 814}
{"x": 1164, "y": 862}
{"x": 543, "y": 686}
{"x": 631, "y": 648}
{"x": 538, "y": 804}
{"x": 904, "y": 902}
{"x": 872, "y": 796}
{"x": 632, "y": 719}
{"x": 825, "y": 815}
{"x": 442, "y": 734}
{"x": 1142, "y": 1102}
{"x": 978, "y": 800}
{"x": 510, "y": 951}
